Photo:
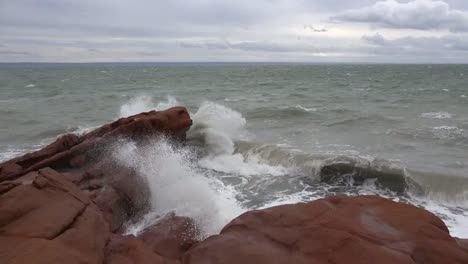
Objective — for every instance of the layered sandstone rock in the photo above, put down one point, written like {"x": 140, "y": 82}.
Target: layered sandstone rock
{"x": 365, "y": 229}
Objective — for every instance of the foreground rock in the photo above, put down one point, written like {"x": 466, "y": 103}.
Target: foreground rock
{"x": 50, "y": 221}
{"x": 365, "y": 229}
{"x": 172, "y": 236}
{"x": 68, "y": 203}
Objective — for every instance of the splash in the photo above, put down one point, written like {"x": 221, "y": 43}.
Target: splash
{"x": 145, "y": 103}
{"x": 177, "y": 186}
{"x": 218, "y": 128}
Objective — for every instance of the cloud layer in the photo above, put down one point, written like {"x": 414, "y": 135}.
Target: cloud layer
{"x": 418, "y": 14}
{"x": 229, "y": 30}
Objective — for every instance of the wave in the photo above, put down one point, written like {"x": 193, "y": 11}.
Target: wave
{"x": 215, "y": 128}
{"x": 447, "y": 135}
{"x": 437, "y": 115}
{"x": 221, "y": 172}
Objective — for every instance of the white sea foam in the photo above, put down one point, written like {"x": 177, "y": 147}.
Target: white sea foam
{"x": 437, "y": 115}
{"x": 30, "y": 86}
{"x": 444, "y": 132}
{"x": 218, "y": 127}
{"x": 176, "y": 186}
{"x": 11, "y": 153}
{"x": 305, "y": 108}
{"x": 463, "y": 96}
{"x": 80, "y": 130}
{"x": 144, "y": 103}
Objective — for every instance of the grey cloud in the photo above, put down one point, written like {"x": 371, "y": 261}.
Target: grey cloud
{"x": 265, "y": 46}
{"x": 416, "y": 14}
{"x": 315, "y": 29}
{"x": 444, "y": 43}
{"x": 17, "y": 53}
{"x": 376, "y": 39}
{"x": 131, "y": 18}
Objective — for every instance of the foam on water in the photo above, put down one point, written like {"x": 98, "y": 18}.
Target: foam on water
{"x": 448, "y": 132}
{"x": 305, "y": 108}
{"x": 437, "y": 115}
{"x": 219, "y": 127}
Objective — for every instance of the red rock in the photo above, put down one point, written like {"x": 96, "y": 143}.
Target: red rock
{"x": 364, "y": 229}
{"x": 78, "y": 161}
{"x": 50, "y": 221}
{"x": 10, "y": 168}
{"x": 123, "y": 180}
{"x": 129, "y": 250}
{"x": 7, "y": 186}
{"x": 463, "y": 243}
{"x": 172, "y": 236}
{"x": 114, "y": 207}
{"x": 74, "y": 177}
{"x": 42, "y": 210}
{"x": 71, "y": 150}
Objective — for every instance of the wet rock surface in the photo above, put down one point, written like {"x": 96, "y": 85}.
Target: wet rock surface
{"x": 69, "y": 203}
{"x": 340, "y": 229}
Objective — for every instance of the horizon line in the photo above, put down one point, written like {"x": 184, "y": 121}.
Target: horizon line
{"x": 236, "y": 62}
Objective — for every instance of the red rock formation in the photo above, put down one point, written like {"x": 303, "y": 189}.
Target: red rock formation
{"x": 130, "y": 250}
{"x": 366, "y": 229}
{"x": 52, "y": 217}
{"x": 171, "y": 236}
{"x": 71, "y": 150}
{"x": 50, "y": 221}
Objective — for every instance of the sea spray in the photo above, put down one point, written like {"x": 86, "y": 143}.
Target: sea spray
{"x": 145, "y": 103}
{"x": 219, "y": 127}
{"x": 177, "y": 186}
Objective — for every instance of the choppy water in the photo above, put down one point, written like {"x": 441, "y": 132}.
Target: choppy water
{"x": 261, "y": 133}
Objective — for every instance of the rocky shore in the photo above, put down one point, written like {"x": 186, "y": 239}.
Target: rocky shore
{"x": 70, "y": 203}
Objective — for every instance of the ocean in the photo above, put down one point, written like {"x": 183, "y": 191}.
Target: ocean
{"x": 262, "y": 133}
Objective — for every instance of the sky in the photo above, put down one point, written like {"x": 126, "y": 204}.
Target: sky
{"x": 387, "y": 31}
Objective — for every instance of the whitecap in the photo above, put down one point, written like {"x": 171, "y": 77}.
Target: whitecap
{"x": 218, "y": 127}
{"x": 305, "y": 108}
{"x": 437, "y": 115}
{"x": 444, "y": 132}
{"x": 30, "y": 86}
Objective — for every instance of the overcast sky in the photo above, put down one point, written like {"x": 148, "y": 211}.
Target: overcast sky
{"x": 415, "y": 31}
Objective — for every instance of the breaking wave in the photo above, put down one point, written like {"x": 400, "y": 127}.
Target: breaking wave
{"x": 221, "y": 172}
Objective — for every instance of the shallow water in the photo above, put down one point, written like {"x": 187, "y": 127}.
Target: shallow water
{"x": 261, "y": 132}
